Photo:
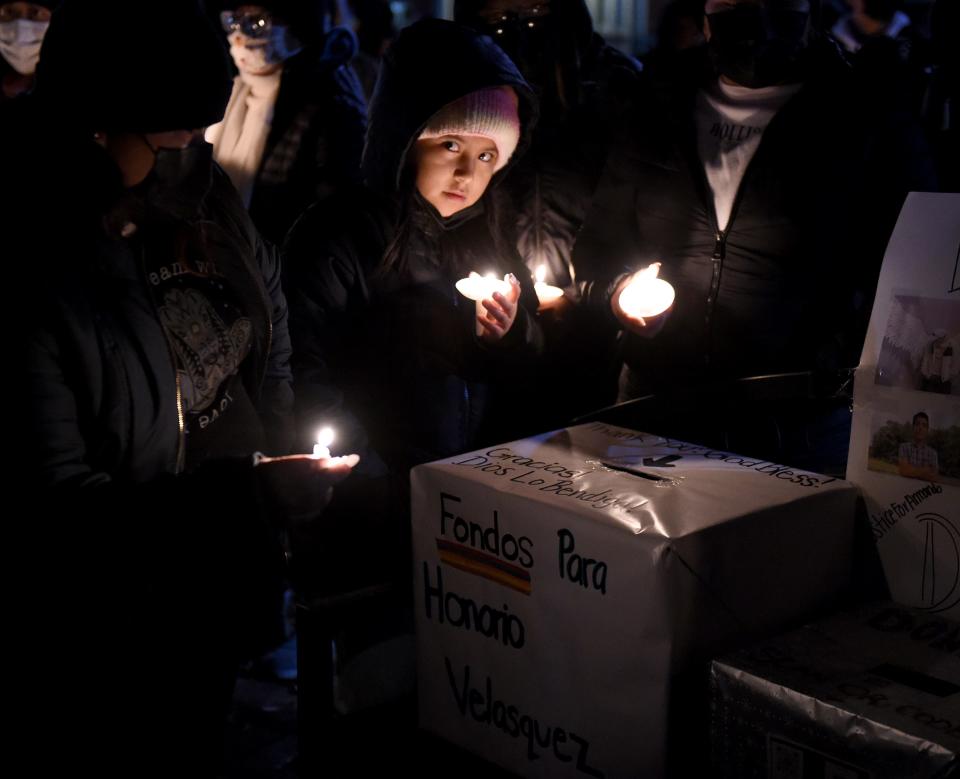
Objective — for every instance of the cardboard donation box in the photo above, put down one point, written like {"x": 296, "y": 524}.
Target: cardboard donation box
{"x": 560, "y": 581}
{"x": 871, "y": 694}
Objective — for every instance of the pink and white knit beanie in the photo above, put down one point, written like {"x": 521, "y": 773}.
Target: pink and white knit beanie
{"x": 491, "y": 113}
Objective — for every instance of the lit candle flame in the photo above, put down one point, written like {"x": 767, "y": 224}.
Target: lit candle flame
{"x": 651, "y": 271}
{"x": 546, "y": 294}
{"x": 325, "y": 437}
{"x": 646, "y": 295}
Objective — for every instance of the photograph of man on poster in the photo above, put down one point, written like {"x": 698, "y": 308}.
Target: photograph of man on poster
{"x": 916, "y": 459}
{"x": 916, "y": 441}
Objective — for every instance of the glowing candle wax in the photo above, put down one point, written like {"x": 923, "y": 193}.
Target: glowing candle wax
{"x": 646, "y": 295}
{"x": 321, "y": 449}
{"x": 546, "y": 294}
{"x": 477, "y": 287}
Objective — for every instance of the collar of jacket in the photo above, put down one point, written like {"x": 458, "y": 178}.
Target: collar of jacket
{"x": 429, "y": 220}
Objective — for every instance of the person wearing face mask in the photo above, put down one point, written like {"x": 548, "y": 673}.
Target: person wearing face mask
{"x": 22, "y": 27}
{"x": 767, "y": 185}
{"x": 293, "y": 128}
{"x": 584, "y": 87}
{"x": 153, "y": 337}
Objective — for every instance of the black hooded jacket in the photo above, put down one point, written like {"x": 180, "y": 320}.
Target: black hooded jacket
{"x": 159, "y": 571}
{"x": 786, "y": 286}
{"x": 387, "y": 352}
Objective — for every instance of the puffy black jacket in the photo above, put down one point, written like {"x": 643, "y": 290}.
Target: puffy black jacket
{"x": 787, "y": 285}
{"x": 390, "y": 353}
{"x": 102, "y": 372}
{"x": 153, "y": 582}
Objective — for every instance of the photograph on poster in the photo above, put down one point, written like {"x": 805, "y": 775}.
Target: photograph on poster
{"x": 916, "y": 442}
{"x": 921, "y": 345}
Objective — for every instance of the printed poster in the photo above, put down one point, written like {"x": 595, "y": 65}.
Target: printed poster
{"x": 905, "y": 443}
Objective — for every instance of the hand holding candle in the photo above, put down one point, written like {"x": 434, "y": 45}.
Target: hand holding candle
{"x": 496, "y": 303}
{"x": 298, "y": 486}
{"x": 547, "y": 295}
{"x": 321, "y": 451}
{"x": 641, "y": 297}
{"x": 477, "y": 287}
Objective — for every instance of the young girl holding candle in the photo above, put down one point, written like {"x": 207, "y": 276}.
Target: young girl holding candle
{"x": 388, "y": 351}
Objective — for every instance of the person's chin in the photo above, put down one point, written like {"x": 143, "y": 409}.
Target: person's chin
{"x": 266, "y": 71}
{"x": 452, "y": 202}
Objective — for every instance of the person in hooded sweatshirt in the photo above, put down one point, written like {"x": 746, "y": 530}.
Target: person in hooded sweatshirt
{"x": 152, "y": 359}
{"x": 22, "y": 27}
{"x": 387, "y": 349}
{"x": 584, "y": 87}
{"x": 293, "y": 129}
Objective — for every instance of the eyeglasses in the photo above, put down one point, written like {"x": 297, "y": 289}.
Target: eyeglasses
{"x": 499, "y": 22}
{"x": 252, "y": 25}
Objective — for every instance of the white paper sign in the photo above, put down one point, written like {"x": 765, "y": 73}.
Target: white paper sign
{"x": 905, "y": 443}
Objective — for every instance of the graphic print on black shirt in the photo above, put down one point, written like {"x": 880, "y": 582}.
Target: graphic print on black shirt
{"x": 210, "y": 337}
{"x": 207, "y": 349}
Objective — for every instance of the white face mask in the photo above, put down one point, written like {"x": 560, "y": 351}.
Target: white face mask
{"x": 258, "y": 56}
{"x": 20, "y": 42}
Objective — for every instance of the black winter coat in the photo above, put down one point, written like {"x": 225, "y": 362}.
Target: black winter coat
{"x": 146, "y": 585}
{"x": 389, "y": 354}
{"x": 315, "y": 141}
{"x": 787, "y": 285}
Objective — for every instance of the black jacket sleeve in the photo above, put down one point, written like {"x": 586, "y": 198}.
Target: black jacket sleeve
{"x": 150, "y": 549}
{"x": 276, "y": 394}
{"x": 326, "y": 281}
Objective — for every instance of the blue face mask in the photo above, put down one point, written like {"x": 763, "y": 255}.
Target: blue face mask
{"x": 263, "y": 53}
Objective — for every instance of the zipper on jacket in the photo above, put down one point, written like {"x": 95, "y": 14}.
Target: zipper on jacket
{"x": 181, "y": 436}
{"x": 171, "y": 352}
{"x": 716, "y": 259}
